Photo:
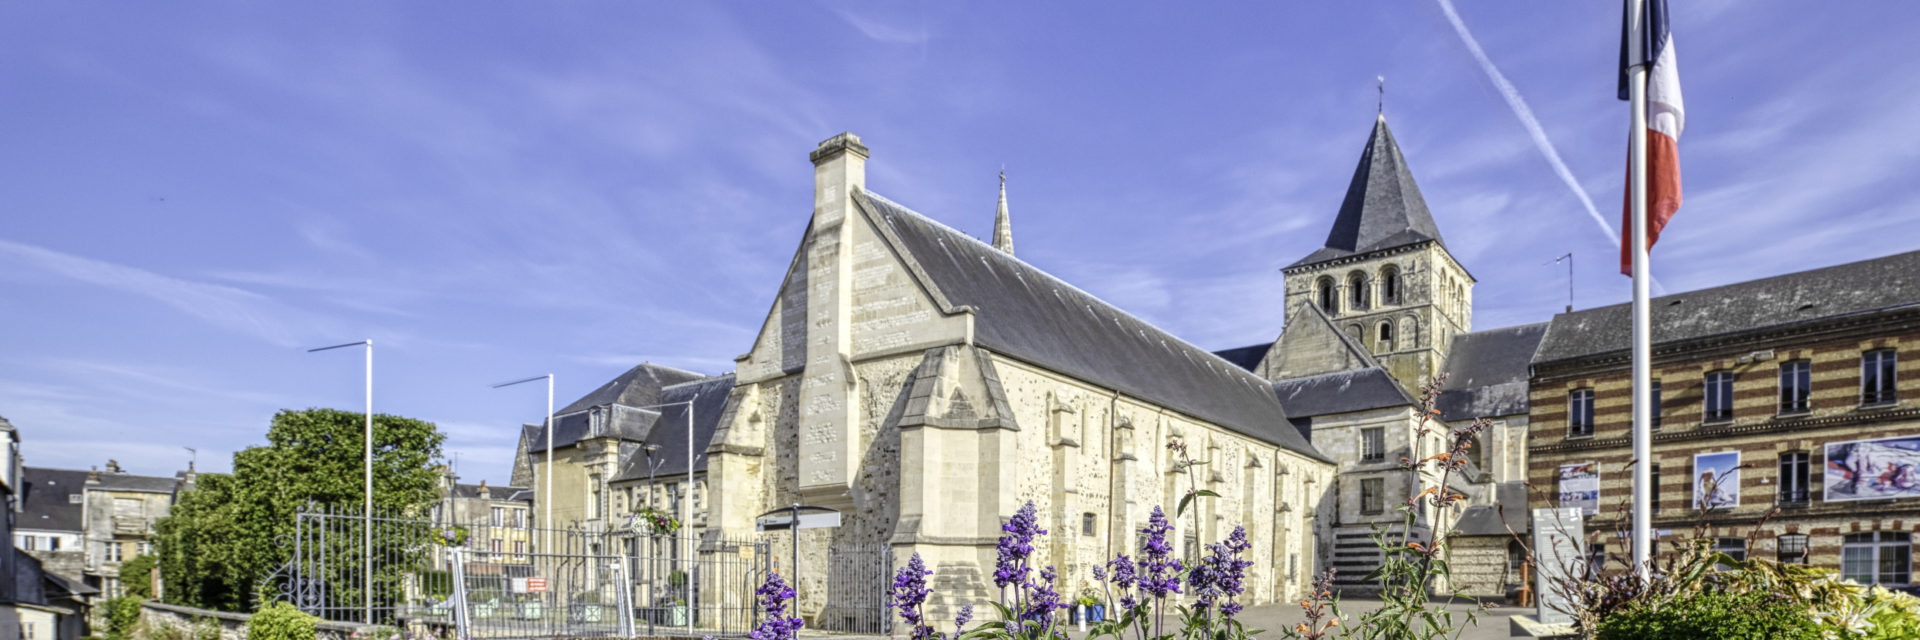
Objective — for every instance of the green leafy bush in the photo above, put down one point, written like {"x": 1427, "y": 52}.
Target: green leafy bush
{"x": 135, "y": 575}
{"x": 123, "y": 613}
{"x": 1711, "y": 616}
{"x": 281, "y": 621}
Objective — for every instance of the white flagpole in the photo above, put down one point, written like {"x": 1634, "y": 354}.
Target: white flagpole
{"x": 1642, "y": 322}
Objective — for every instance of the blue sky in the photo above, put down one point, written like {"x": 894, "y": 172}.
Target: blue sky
{"x": 191, "y": 194}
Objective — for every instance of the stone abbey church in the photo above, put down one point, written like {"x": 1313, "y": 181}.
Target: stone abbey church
{"x": 926, "y": 384}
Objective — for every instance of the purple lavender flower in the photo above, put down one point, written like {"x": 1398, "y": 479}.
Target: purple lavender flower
{"x": 908, "y": 593}
{"x": 1123, "y": 579}
{"x": 1016, "y": 546}
{"x": 1159, "y": 571}
{"x": 960, "y": 620}
{"x": 1232, "y": 573}
{"x": 774, "y": 596}
{"x": 1041, "y": 600}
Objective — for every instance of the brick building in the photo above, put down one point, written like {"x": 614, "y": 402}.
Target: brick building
{"x": 1784, "y": 414}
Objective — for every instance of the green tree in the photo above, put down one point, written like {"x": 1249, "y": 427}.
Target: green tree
{"x": 227, "y": 534}
{"x": 135, "y": 576}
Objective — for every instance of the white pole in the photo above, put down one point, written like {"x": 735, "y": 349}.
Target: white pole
{"x": 367, "y": 508}
{"x": 547, "y": 536}
{"x": 687, "y": 509}
{"x": 1642, "y": 321}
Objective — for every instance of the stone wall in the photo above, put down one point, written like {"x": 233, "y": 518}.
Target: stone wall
{"x": 1480, "y": 567}
{"x": 233, "y": 626}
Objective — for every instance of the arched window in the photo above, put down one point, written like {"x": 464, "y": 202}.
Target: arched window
{"x": 1357, "y": 291}
{"x": 1324, "y": 295}
{"x": 1385, "y": 341}
{"x": 1390, "y": 285}
{"x": 1354, "y": 330}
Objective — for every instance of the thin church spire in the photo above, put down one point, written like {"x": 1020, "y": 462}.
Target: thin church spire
{"x": 1002, "y": 222}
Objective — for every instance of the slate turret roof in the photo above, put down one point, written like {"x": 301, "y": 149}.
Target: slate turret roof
{"x": 1026, "y": 314}
{"x": 1383, "y": 208}
{"x": 1879, "y": 284}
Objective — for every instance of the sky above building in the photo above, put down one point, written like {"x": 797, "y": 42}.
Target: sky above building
{"x": 193, "y": 195}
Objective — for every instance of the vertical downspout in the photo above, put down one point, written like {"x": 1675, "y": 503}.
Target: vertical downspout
{"x": 1113, "y": 467}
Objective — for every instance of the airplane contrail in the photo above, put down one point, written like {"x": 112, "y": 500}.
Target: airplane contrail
{"x": 1539, "y": 135}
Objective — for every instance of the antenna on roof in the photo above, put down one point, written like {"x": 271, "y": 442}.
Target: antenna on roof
{"x": 1569, "y": 259}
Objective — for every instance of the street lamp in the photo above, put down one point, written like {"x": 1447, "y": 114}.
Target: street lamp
{"x": 366, "y": 512}
{"x": 547, "y": 520}
{"x": 686, "y": 522}
{"x": 653, "y": 466}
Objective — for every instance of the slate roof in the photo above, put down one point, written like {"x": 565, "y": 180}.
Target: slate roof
{"x": 1487, "y": 372}
{"x": 130, "y": 482}
{"x": 1027, "y": 314}
{"x": 45, "y": 505}
{"x": 1340, "y": 392}
{"x": 619, "y": 403}
{"x": 500, "y": 492}
{"x": 1486, "y": 519}
{"x": 1383, "y": 208}
{"x": 670, "y": 431}
{"x": 1856, "y": 287}
{"x": 638, "y": 387}
{"x": 1247, "y": 357}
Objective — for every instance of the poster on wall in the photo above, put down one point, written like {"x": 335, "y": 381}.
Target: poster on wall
{"x": 1580, "y": 487}
{"x": 1716, "y": 480}
{"x": 1878, "y": 469}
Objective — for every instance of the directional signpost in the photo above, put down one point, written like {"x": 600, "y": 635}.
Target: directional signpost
{"x": 795, "y": 518}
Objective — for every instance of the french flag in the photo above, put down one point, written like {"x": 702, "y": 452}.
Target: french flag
{"x": 1665, "y": 119}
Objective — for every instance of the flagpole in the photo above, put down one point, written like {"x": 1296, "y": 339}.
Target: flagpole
{"x": 1642, "y": 322}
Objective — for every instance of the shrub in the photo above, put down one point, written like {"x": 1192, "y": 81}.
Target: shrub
{"x": 1711, "y": 615}
{"x": 136, "y": 574}
{"x": 280, "y": 621}
{"x": 123, "y": 613}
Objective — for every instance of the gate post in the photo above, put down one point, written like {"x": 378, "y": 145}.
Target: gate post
{"x": 462, "y": 626}
{"x": 623, "y": 599}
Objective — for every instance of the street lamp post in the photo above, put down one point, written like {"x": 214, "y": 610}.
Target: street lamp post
{"x": 547, "y": 520}
{"x": 686, "y": 521}
{"x": 366, "y": 512}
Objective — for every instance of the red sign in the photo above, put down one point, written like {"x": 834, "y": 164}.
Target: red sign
{"x": 536, "y": 585}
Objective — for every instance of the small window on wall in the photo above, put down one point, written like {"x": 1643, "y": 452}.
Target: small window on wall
{"x": 1323, "y": 291}
{"x": 1653, "y": 414}
{"x": 1877, "y": 557}
{"x": 1792, "y": 548}
{"x": 1384, "y": 341}
{"x": 1796, "y": 386}
{"x": 1357, "y": 292}
{"x": 1580, "y": 413}
{"x": 1653, "y": 486}
{"x": 1087, "y": 524}
{"x": 1877, "y": 377}
{"x": 1735, "y": 548}
{"x": 1390, "y": 285}
{"x": 1372, "y": 495}
{"x": 1373, "y": 444}
{"x": 1719, "y": 396}
{"x": 1794, "y": 488}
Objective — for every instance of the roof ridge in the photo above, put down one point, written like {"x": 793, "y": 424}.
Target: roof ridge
{"x": 1002, "y": 255}
{"x": 702, "y": 380}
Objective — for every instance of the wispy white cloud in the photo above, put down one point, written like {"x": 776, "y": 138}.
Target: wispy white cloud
{"x": 882, "y": 31}
{"x": 229, "y": 307}
{"x": 1532, "y": 124}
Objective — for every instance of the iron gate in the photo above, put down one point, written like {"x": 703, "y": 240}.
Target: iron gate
{"x": 857, "y": 579}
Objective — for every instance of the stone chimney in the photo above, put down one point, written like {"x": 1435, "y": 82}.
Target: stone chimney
{"x": 113, "y": 466}
{"x": 485, "y": 493}
{"x": 93, "y": 475}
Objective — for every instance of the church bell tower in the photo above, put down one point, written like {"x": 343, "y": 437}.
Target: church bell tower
{"x": 1384, "y": 277}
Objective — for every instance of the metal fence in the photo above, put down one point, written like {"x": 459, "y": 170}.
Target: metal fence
{"x": 539, "y": 595}
{"x": 413, "y": 578}
{"x": 857, "y": 579}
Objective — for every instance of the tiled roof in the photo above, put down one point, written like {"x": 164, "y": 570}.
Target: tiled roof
{"x": 1027, "y": 314}
{"x": 1487, "y": 372}
{"x": 1856, "y": 287}
{"x": 1383, "y": 208}
{"x": 46, "y": 505}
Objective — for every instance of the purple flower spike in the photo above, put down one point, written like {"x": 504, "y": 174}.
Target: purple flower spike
{"x": 1159, "y": 571}
{"x": 774, "y": 596}
{"x": 908, "y": 593}
{"x": 1016, "y": 546}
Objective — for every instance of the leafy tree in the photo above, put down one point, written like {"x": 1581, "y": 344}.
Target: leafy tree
{"x": 135, "y": 576}
{"x": 227, "y": 534}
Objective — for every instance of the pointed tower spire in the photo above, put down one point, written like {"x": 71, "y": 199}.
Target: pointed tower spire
{"x": 1383, "y": 208}
{"x": 1002, "y": 222}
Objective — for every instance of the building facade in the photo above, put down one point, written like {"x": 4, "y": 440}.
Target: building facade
{"x": 1785, "y": 424}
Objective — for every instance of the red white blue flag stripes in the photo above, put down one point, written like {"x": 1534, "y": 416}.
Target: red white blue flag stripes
{"x": 1665, "y": 119}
